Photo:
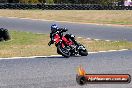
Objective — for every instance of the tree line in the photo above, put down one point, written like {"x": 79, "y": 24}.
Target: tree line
{"x": 103, "y": 2}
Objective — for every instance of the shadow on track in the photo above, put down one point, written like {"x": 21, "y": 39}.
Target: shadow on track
{"x": 55, "y": 56}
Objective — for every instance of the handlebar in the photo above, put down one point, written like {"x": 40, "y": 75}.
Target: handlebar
{"x": 63, "y": 30}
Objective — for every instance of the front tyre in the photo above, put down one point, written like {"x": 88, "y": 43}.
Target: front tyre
{"x": 82, "y": 50}
{"x": 64, "y": 51}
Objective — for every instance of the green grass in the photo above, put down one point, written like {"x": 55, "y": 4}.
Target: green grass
{"x": 31, "y": 44}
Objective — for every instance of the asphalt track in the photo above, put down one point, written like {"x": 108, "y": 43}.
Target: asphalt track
{"x": 83, "y": 30}
{"x": 60, "y": 72}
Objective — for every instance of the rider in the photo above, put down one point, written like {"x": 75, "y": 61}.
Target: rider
{"x": 54, "y": 30}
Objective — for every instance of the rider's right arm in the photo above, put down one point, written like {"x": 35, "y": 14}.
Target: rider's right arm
{"x": 52, "y": 37}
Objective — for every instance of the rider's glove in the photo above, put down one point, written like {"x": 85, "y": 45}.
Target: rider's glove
{"x": 51, "y": 42}
{"x": 65, "y": 29}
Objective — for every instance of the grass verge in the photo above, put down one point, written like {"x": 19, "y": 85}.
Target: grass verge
{"x": 122, "y": 17}
{"x": 30, "y": 44}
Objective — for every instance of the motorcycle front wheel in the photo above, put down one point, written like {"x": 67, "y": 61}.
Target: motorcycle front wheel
{"x": 64, "y": 51}
{"x": 83, "y": 51}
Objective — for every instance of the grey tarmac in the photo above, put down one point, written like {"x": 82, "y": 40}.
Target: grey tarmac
{"x": 61, "y": 72}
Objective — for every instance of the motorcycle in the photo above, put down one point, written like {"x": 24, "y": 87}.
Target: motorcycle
{"x": 67, "y": 45}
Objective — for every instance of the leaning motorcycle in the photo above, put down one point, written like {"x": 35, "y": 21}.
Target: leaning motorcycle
{"x": 67, "y": 45}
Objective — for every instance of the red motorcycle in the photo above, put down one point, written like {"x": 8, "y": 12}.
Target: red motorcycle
{"x": 67, "y": 45}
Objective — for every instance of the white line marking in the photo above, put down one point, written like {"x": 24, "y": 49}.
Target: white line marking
{"x": 39, "y": 56}
{"x": 96, "y": 39}
{"x": 40, "y": 33}
{"x": 79, "y": 37}
{"x": 102, "y": 51}
{"x": 92, "y": 52}
{"x": 107, "y": 40}
{"x": 89, "y": 38}
{"x": 55, "y": 55}
{"x": 123, "y": 49}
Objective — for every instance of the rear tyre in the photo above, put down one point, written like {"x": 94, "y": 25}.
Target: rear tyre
{"x": 64, "y": 51}
{"x": 58, "y": 51}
